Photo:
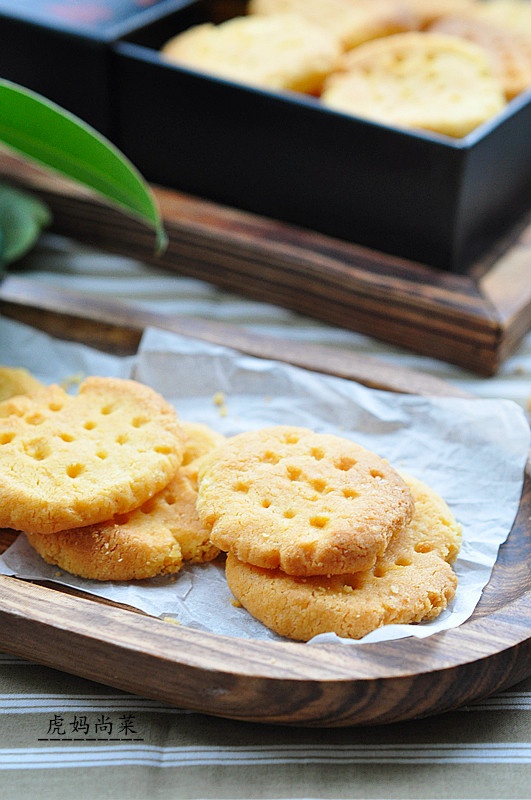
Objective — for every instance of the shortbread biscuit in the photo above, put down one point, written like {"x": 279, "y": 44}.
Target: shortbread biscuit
{"x": 413, "y": 581}
{"x": 68, "y": 461}
{"x": 280, "y": 52}
{"x": 305, "y": 502}
{"x": 352, "y": 21}
{"x": 155, "y": 539}
{"x": 509, "y": 52}
{"x": 15, "y": 381}
{"x": 427, "y": 11}
{"x": 200, "y": 439}
{"x": 514, "y": 15}
{"x": 427, "y": 81}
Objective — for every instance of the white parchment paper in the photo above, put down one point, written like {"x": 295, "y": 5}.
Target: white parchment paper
{"x": 473, "y": 452}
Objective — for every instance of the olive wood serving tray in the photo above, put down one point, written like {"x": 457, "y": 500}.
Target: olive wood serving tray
{"x": 473, "y": 320}
{"x": 273, "y": 682}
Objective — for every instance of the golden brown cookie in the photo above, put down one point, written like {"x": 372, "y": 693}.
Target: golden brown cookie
{"x": 15, "y": 381}
{"x": 194, "y": 537}
{"x": 351, "y": 21}
{"x": 427, "y": 11}
{"x": 413, "y": 581}
{"x": 200, "y": 439}
{"x": 508, "y": 51}
{"x": 68, "y": 461}
{"x": 305, "y": 502}
{"x": 277, "y": 52}
{"x": 514, "y": 15}
{"x": 428, "y": 81}
{"x": 155, "y": 539}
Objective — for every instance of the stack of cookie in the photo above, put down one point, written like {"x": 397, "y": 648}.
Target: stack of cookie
{"x": 103, "y": 482}
{"x": 320, "y": 534}
{"x": 445, "y": 66}
{"x": 323, "y": 535}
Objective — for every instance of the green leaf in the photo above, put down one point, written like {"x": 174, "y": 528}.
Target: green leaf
{"x": 22, "y": 218}
{"x": 54, "y": 138}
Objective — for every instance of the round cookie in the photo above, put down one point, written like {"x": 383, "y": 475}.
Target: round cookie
{"x": 277, "y": 52}
{"x": 413, "y": 581}
{"x": 509, "y": 52}
{"x": 351, "y": 21}
{"x": 427, "y": 11}
{"x": 514, "y": 15}
{"x": 72, "y": 460}
{"x": 426, "y": 81}
{"x": 155, "y": 539}
{"x": 200, "y": 439}
{"x": 15, "y": 381}
{"x": 307, "y": 503}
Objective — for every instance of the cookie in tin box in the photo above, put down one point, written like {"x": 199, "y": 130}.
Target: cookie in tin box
{"x": 273, "y": 52}
{"x": 426, "y": 81}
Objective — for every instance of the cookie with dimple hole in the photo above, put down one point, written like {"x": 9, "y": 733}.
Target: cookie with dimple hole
{"x": 155, "y": 539}
{"x": 351, "y": 21}
{"x": 427, "y": 81}
{"x": 305, "y": 502}
{"x": 277, "y": 52}
{"x": 413, "y": 581}
{"x": 73, "y": 460}
{"x": 15, "y": 381}
{"x": 508, "y": 50}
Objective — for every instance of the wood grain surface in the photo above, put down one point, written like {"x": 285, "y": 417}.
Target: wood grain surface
{"x": 279, "y": 682}
{"x": 117, "y": 327}
{"x": 474, "y": 320}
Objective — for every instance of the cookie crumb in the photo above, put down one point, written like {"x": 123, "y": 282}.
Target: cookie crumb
{"x": 219, "y": 401}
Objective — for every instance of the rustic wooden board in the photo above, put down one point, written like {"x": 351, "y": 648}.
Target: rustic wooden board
{"x": 277, "y": 682}
{"x": 473, "y": 320}
{"x": 38, "y": 306}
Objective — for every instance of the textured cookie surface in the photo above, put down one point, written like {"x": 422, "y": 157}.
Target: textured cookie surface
{"x": 155, "y": 539}
{"x": 16, "y": 380}
{"x": 68, "y": 461}
{"x": 427, "y": 81}
{"x": 200, "y": 439}
{"x": 305, "y": 502}
{"x": 514, "y": 15}
{"x": 413, "y": 581}
{"x": 352, "y": 21}
{"x": 284, "y": 52}
{"x": 509, "y": 51}
{"x": 427, "y": 11}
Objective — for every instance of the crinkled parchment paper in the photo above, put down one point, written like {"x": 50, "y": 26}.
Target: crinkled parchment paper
{"x": 473, "y": 452}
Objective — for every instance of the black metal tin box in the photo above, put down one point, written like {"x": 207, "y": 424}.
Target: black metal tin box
{"x": 62, "y": 49}
{"x": 428, "y": 198}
